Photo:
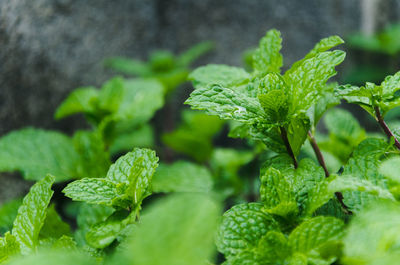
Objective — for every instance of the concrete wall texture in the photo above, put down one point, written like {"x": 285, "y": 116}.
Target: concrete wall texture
{"x": 50, "y": 47}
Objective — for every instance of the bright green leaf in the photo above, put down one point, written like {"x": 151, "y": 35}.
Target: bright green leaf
{"x": 390, "y": 168}
{"x": 93, "y": 190}
{"x": 226, "y": 103}
{"x": 242, "y": 228}
{"x": 180, "y": 228}
{"x": 36, "y": 153}
{"x": 277, "y": 193}
{"x": 348, "y": 183}
{"x": 267, "y": 57}
{"x": 81, "y": 100}
{"x": 220, "y": 74}
{"x": 373, "y": 234}
{"x": 136, "y": 169}
{"x": 58, "y": 257}
{"x": 310, "y": 237}
{"x": 309, "y": 79}
{"x": 138, "y": 137}
{"x": 32, "y": 214}
{"x": 182, "y": 176}
{"x": 95, "y": 160}
{"x": 128, "y": 66}
{"x": 9, "y": 247}
{"x": 8, "y": 212}
{"x": 54, "y": 226}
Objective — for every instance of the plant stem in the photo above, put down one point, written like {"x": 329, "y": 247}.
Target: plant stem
{"x": 287, "y": 145}
{"x": 339, "y": 196}
{"x": 385, "y": 128}
{"x": 318, "y": 153}
{"x": 321, "y": 161}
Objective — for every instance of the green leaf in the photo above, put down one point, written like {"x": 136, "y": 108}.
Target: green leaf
{"x": 297, "y": 131}
{"x": 390, "y": 168}
{"x": 373, "y": 234}
{"x": 373, "y": 96}
{"x": 246, "y": 258}
{"x": 275, "y": 105}
{"x": 64, "y": 243}
{"x": 128, "y": 66}
{"x": 93, "y": 190}
{"x": 58, "y": 257}
{"x": 310, "y": 186}
{"x": 343, "y": 125}
{"x": 229, "y": 160}
{"x": 8, "y": 212}
{"x": 359, "y": 95}
{"x": 310, "y": 238}
{"x": 95, "y": 160}
{"x": 226, "y": 103}
{"x": 9, "y": 247}
{"x": 182, "y": 176}
{"x": 81, "y": 100}
{"x": 91, "y": 214}
{"x": 161, "y": 61}
{"x": 308, "y": 79}
{"x": 183, "y": 141}
{"x": 364, "y": 165}
{"x": 297, "y": 259}
{"x": 88, "y": 216}
{"x": 138, "y": 137}
{"x": 267, "y": 57}
{"x": 348, "y": 183}
{"x": 242, "y": 228}
{"x": 103, "y": 234}
{"x": 318, "y": 196}
{"x": 136, "y": 169}
{"x": 141, "y": 99}
{"x": 390, "y": 85}
{"x": 194, "y": 135}
{"x": 277, "y": 194}
{"x": 36, "y": 153}
{"x": 54, "y": 226}
{"x": 32, "y": 214}
{"x": 180, "y": 228}
{"x": 172, "y": 79}
{"x": 286, "y": 191}
{"x": 274, "y": 247}
{"x": 220, "y": 74}
{"x": 327, "y": 100}
{"x": 324, "y": 45}
{"x": 111, "y": 94}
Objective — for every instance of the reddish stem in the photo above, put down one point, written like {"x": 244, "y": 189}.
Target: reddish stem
{"x": 321, "y": 161}
{"x": 385, "y": 128}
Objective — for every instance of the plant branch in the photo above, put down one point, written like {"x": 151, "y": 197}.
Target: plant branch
{"x": 287, "y": 145}
{"x": 321, "y": 161}
{"x": 385, "y": 128}
{"x": 318, "y": 153}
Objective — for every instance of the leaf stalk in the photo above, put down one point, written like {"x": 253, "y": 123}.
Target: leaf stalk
{"x": 385, "y": 128}
{"x": 321, "y": 161}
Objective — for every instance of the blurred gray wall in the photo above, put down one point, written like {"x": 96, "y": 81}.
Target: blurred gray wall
{"x": 49, "y": 47}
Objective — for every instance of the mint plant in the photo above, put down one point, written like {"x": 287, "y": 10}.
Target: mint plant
{"x": 323, "y": 199}
{"x": 304, "y": 206}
